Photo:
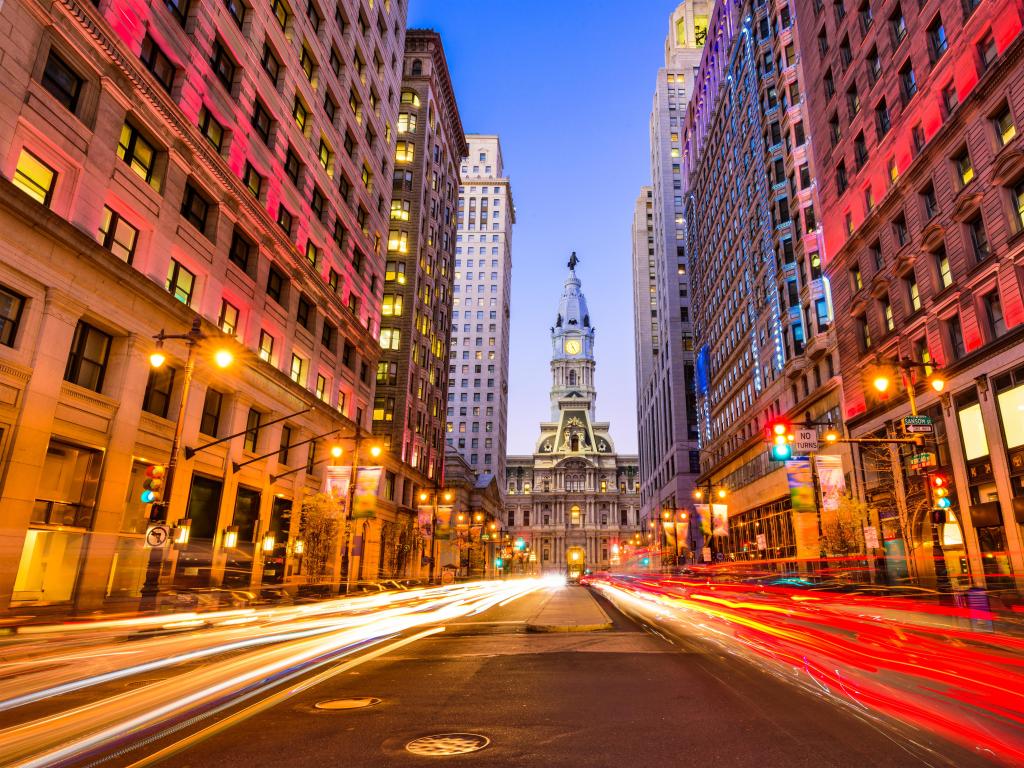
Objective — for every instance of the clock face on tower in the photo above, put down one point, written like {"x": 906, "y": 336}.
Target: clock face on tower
{"x": 572, "y": 346}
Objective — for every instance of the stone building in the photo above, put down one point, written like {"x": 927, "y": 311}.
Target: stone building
{"x": 409, "y": 403}
{"x": 478, "y": 360}
{"x": 187, "y": 162}
{"x": 575, "y": 490}
{"x": 916, "y": 113}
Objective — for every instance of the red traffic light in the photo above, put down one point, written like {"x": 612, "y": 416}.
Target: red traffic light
{"x": 156, "y": 471}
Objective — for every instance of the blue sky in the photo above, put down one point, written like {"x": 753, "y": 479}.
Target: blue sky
{"x": 567, "y": 86}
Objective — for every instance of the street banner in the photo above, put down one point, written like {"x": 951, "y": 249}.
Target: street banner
{"x": 762, "y": 542}
{"x": 443, "y": 531}
{"x": 475, "y": 532}
{"x": 424, "y": 518}
{"x": 801, "y": 485}
{"x": 831, "y": 480}
{"x": 720, "y": 519}
{"x": 367, "y": 491}
{"x": 870, "y": 537}
{"x": 682, "y": 531}
{"x": 336, "y": 481}
{"x": 704, "y": 513}
{"x": 952, "y": 536}
{"x": 670, "y": 536}
{"x": 705, "y": 554}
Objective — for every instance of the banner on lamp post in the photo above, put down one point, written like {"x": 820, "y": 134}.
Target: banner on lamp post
{"x": 670, "y": 535}
{"x": 336, "y": 480}
{"x": 801, "y": 485}
{"x": 831, "y": 480}
{"x": 443, "y": 529}
{"x": 425, "y": 518}
{"x": 681, "y": 533}
{"x": 704, "y": 513}
{"x": 720, "y": 519}
{"x": 364, "y": 504}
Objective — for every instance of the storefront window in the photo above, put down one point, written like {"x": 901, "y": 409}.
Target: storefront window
{"x": 128, "y": 569}
{"x": 1011, "y": 411}
{"x": 67, "y": 488}
{"x": 49, "y": 566}
{"x": 972, "y": 430}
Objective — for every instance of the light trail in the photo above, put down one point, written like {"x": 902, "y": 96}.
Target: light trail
{"x": 908, "y": 664}
{"x": 273, "y": 646}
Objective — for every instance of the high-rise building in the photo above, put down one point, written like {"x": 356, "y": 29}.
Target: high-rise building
{"x": 574, "y": 491}
{"x": 763, "y": 316}
{"x": 408, "y": 407}
{"x": 916, "y": 114}
{"x": 218, "y": 164}
{"x": 478, "y": 360}
{"x": 666, "y": 407}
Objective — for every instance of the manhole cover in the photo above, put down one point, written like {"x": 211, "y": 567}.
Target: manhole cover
{"x": 447, "y": 744}
{"x": 357, "y": 702}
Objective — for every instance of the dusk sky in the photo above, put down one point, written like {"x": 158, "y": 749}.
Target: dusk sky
{"x": 568, "y": 87}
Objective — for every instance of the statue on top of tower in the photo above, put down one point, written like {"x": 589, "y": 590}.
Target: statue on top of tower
{"x": 573, "y": 260}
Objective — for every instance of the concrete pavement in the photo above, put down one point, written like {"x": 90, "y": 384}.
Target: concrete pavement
{"x": 569, "y": 609}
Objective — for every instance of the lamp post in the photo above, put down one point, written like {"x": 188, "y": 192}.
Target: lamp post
{"x": 938, "y": 384}
{"x": 433, "y": 525}
{"x": 375, "y": 452}
{"x": 160, "y": 511}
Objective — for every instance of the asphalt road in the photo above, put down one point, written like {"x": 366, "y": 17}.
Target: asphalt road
{"x": 620, "y": 697}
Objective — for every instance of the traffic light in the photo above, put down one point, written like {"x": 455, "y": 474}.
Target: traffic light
{"x": 780, "y": 436}
{"x": 153, "y": 485}
{"x": 499, "y": 563}
{"x": 940, "y": 498}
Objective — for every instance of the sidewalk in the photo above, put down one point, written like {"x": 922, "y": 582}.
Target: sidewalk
{"x": 568, "y": 609}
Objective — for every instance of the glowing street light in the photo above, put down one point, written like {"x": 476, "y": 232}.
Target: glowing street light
{"x": 223, "y": 358}
{"x": 336, "y": 451}
{"x": 881, "y": 383}
{"x": 157, "y": 358}
{"x": 375, "y": 451}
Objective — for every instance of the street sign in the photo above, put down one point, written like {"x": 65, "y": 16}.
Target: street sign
{"x": 918, "y": 425}
{"x": 923, "y": 460}
{"x": 870, "y": 537}
{"x": 157, "y": 535}
{"x": 806, "y": 441}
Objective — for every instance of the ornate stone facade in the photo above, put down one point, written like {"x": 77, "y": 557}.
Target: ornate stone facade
{"x": 574, "y": 490}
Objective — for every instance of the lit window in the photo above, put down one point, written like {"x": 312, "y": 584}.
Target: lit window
{"x": 297, "y": 372}
{"x": 138, "y": 154}
{"x": 390, "y": 338}
{"x": 400, "y": 210}
{"x": 404, "y": 151}
{"x": 266, "y": 348}
{"x": 391, "y": 305}
{"x": 1018, "y": 202}
{"x": 964, "y": 167}
{"x": 398, "y": 242}
{"x": 228, "y": 320}
{"x": 211, "y": 129}
{"x": 11, "y": 305}
{"x": 410, "y": 98}
{"x": 406, "y": 122}
{"x": 180, "y": 282}
{"x": 1006, "y": 129}
{"x": 117, "y": 235}
{"x": 281, "y": 12}
{"x": 35, "y": 178}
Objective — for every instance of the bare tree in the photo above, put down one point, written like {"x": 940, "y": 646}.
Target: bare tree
{"x": 321, "y": 516}
{"x": 842, "y": 530}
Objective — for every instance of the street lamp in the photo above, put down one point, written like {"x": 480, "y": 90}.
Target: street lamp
{"x": 375, "y": 452}
{"x": 160, "y": 510}
{"x": 424, "y": 496}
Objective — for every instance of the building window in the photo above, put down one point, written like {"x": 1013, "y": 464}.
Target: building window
{"x": 211, "y": 129}
{"x": 117, "y": 235}
{"x": 994, "y": 313}
{"x": 157, "y": 63}
{"x": 383, "y": 408}
{"x": 1018, "y": 204}
{"x": 400, "y": 210}
{"x": 237, "y": 10}
{"x": 228, "y": 320}
{"x": 305, "y": 314}
{"x": 300, "y": 112}
{"x": 887, "y": 316}
{"x": 864, "y": 333}
{"x": 282, "y": 451}
{"x": 223, "y": 65}
{"x": 138, "y": 154}
{"x": 240, "y": 252}
{"x": 899, "y": 226}
{"x": 908, "y": 81}
{"x": 390, "y": 338}
{"x": 11, "y": 306}
{"x": 949, "y": 99}
{"x": 913, "y": 293}
{"x": 180, "y": 283}
{"x": 1006, "y": 129}
{"x": 252, "y": 431}
{"x": 63, "y": 83}
{"x": 987, "y": 51}
{"x": 261, "y": 121}
{"x": 931, "y": 204}
{"x": 297, "y": 370}
{"x": 285, "y": 220}
{"x": 195, "y": 208}
{"x": 979, "y": 238}
{"x": 964, "y": 167}
{"x": 328, "y": 336}
{"x": 157, "y": 398}
{"x": 404, "y": 151}
{"x": 266, "y": 348}
{"x": 391, "y": 305}
{"x": 281, "y": 12}
{"x": 87, "y": 362}
{"x": 938, "y": 44}
{"x": 956, "y": 337}
{"x": 252, "y": 180}
{"x": 943, "y": 269}
{"x": 856, "y": 279}
{"x": 209, "y": 424}
{"x": 898, "y": 26}
{"x": 35, "y": 178}
{"x": 387, "y": 373}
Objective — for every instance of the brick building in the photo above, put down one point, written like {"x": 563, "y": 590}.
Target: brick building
{"x": 916, "y": 108}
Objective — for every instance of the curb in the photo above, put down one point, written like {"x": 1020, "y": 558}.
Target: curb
{"x": 568, "y": 627}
